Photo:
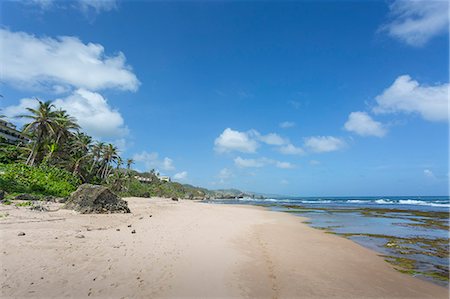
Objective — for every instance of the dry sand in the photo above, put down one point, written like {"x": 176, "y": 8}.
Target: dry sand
{"x": 189, "y": 249}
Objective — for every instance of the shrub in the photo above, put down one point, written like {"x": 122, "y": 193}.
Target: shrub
{"x": 45, "y": 180}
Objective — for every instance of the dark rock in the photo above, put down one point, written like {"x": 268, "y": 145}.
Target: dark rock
{"x": 146, "y": 194}
{"x": 150, "y": 215}
{"x": 26, "y": 197}
{"x": 174, "y": 199}
{"x": 39, "y": 208}
{"x": 129, "y": 225}
{"x": 21, "y": 234}
{"x": 118, "y": 229}
{"x": 94, "y": 199}
{"x": 133, "y": 231}
{"x": 2, "y": 194}
{"x": 62, "y": 199}
{"x": 79, "y": 236}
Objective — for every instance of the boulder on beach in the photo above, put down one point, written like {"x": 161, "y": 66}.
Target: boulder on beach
{"x": 94, "y": 199}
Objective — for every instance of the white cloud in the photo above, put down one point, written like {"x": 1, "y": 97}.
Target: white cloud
{"x": 98, "y": 5}
{"x": 224, "y": 174}
{"x": 272, "y": 139}
{"x": 416, "y": 22}
{"x": 83, "y": 5}
{"x": 180, "y": 176}
{"x": 91, "y": 109}
{"x": 287, "y": 124}
{"x": 152, "y": 161}
{"x": 314, "y": 162}
{"x": 283, "y": 165}
{"x": 231, "y": 140}
{"x": 428, "y": 173}
{"x": 42, "y": 4}
{"x": 58, "y": 64}
{"x": 261, "y": 162}
{"x": 290, "y": 149}
{"x": 322, "y": 144}
{"x": 408, "y": 96}
{"x": 362, "y": 124}
{"x": 253, "y": 163}
{"x": 167, "y": 164}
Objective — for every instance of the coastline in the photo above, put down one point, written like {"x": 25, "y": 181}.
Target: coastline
{"x": 188, "y": 249}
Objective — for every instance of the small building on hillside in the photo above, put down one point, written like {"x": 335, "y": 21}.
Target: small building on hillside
{"x": 143, "y": 179}
{"x": 164, "y": 178}
{"x": 9, "y": 133}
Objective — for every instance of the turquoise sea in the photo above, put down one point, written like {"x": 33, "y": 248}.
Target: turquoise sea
{"x": 410, "y": 232}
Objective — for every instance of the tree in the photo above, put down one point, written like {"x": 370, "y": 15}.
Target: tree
{"x": 80, "y": 147}
{"x": 129, "y": 163}
{"x": 43, "y": 123}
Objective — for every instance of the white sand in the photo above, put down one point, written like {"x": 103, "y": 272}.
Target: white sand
{"x": 189, "y": 249}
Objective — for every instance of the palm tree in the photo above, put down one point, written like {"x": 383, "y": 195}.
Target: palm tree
{"x": 110, "y": 154}
{"x": 42, "y": 125}
{"x": 129, "y": 163}
{"x": 96, "y": 153}
{"x": 80, "y": 146}
{"x": 65, "y": 126}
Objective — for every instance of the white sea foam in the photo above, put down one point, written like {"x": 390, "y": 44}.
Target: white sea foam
{"x": 317, "y": 201}
{"x": 384, "y": 201}
{"x": 422, "y": 203}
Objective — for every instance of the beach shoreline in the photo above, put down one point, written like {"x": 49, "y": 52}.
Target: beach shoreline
{"x": 189, "y": 249}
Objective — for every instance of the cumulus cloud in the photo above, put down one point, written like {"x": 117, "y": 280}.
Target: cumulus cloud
{"x": 272, "y": 139}
{"x": 284, "y": 165}
{"x": 253, "y": 163}
{"x": 151, "y": 161}
{"x": 362, "y": 124}
{"x": 409, "y": 96}
{"x": 290, "y": 149}
{"x": 181, "y": 176}
{"x": 287, "y": 124}
{"x": 224, "y": 174}
{"x": 261, "y": 162}
{"x": 416, "y": 22}
{"x": 322, "y": 144}
{"x": 231, "y": 140}
{"x": 58, "y": 64}
{"x": 92, "y": 111}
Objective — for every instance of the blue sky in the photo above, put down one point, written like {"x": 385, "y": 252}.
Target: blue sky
{"x": 298, "y": 98}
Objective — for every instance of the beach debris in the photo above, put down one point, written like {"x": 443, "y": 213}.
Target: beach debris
{"x": 80, "y": 236}
{"x": 95, "y": 199}
{"x": 118, "y": 229}
{"x": 140, "y": 218}
{"x": 21, "y": 234}
{"x": 174, "y": 198}
{"x": 129, "y": 225}
{"x": 150, "y": 216}
{"x": 88, "y": 229}
{"x": 133, "y": 231}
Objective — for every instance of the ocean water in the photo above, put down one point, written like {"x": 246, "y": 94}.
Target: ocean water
{"x": 373, "y": 222}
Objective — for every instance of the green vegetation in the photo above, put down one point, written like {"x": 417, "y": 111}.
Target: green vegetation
{"x": 59, "y": 157}
{"x": 45, "y": 180}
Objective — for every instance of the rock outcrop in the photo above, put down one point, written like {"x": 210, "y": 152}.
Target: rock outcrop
{"x": 94, "y": 199}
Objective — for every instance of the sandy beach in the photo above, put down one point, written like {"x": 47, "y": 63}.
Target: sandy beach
{"x": 189, "y": 249}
